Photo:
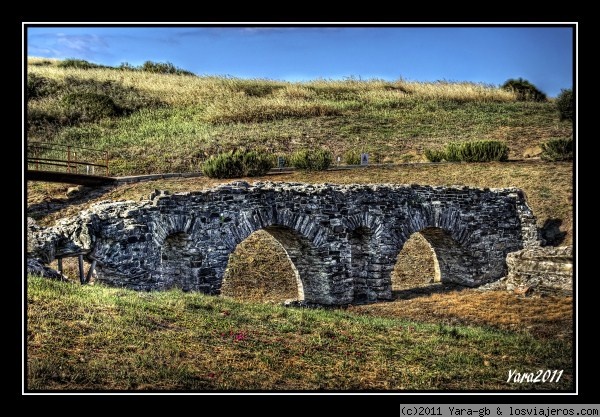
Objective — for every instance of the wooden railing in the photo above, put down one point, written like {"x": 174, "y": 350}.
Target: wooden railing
{"x": 70, "y": 159}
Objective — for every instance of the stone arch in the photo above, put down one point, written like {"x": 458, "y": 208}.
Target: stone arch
{"x": 452, "y": 261}
{"x": 448, "y": 236}
{"x": 167, "y": 225}
{"x": 260, "y": 268}
{"x": 300, "y": 236}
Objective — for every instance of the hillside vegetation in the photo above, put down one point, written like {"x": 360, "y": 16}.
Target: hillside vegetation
{"x": 152, "y": 122}
{"x": 98, "y": 338}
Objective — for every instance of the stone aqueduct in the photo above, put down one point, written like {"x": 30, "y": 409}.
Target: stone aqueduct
{"x": 342, "y": 241}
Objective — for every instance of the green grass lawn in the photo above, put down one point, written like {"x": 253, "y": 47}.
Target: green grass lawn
{"x": 98, "y": 338}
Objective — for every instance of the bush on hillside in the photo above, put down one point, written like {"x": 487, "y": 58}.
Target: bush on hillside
{"x": 78, "y": 63}
{"x": 564, "y": 103}
{"x": 483, "y": 151}
{"x": 435, "y": 155}
{"x": 557, "y": 150}
{"x": 241, "y": 163}
{"x": 163, "y": 68}
{"x": 312, "y": 159}
{"x": 257, "y": 163}
{"x": 452, "y": 152}
{"x": 126, "y": 66}
{"x": 474, "y": 151}
{"x": 524, "y": 90}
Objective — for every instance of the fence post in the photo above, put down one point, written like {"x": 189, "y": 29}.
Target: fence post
{"x": 90, "y": 271}
{"x": 81, "y": 275}
{"x": 68, "y": 159}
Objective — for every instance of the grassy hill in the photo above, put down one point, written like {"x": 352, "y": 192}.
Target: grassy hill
{"x": 98, "y": 338}
{"x": 155, "y": 123}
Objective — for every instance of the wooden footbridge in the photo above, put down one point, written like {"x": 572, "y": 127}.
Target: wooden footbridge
{"x": 67, "y": 164}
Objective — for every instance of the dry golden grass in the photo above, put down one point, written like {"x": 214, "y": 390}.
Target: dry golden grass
{"x": 259, "y": 270}
{"x": 183, "y": 90}
{"x": 414, "y": 266}
{"x": 546, "y": 318}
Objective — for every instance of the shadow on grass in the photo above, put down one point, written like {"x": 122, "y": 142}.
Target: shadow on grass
{"x": 52, "y": 205}
{"x": 551, "y": 232}
{"x": 437, "y": 288}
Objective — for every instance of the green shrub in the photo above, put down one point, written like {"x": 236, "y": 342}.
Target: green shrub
{"x": 78, "y": 63}
{"x": 126, "y": 66}
{"x": 87, "y": 107}
{"x": 452, "y": 152}
{"x": 163, "y": 68}
{"x": 524, "y": 90}
{"x": 312, "y": 159}
{"x": 435, "y": 155}
{"x": 483, "y": 151}
{"x": 564, "y": 103}
{"x": 474, "y": 151}
{"x": 352, "y": 157}
{"x": 257, "y": 163}
{"x": 240, "y": 163}
{"x": 558, "y": 150}
{"x": 224, "y": 165}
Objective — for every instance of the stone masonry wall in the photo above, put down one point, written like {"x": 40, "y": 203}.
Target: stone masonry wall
{"x": 342, "y": 240}
{"x": 541, "y": 271}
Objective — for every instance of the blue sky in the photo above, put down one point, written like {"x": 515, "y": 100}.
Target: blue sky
{"x": 542, "y": 55}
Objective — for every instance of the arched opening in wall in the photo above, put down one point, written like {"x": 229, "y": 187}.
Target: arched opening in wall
{"x": 260, "y": 269}
{"x": 432, "y": 256}
{"x": 417, "y": 264}
{"x": 180, "y": 262}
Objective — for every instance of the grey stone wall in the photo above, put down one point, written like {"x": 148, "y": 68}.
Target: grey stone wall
{"x": 342, "y": 240}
